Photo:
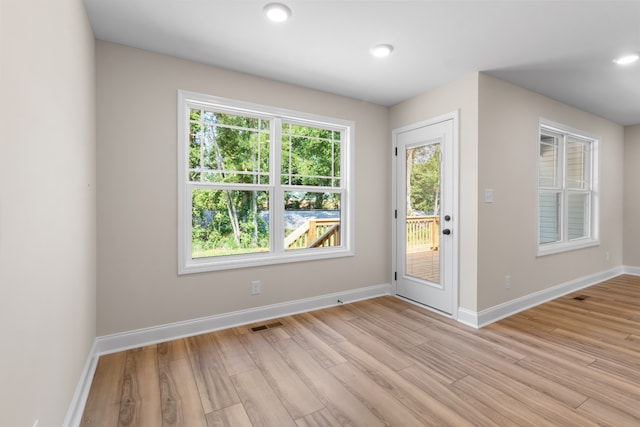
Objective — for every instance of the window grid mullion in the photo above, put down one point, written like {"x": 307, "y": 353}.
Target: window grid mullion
{"x": 259, "y": 157}
{"x": 201, "y": 125}
{"x": 277, "y": 207}
{"x": 333, "y": 158}
{"x": 564, "y": 214}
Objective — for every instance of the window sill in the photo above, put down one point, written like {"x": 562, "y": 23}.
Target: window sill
{"x": 556, "y": 248}
{"x": 202, "y": 265}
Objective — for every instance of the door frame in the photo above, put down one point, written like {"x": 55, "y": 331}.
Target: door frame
{"x": 454, "y": 115}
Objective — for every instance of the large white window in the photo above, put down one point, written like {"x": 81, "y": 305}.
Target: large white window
{"x": 260, "y": 185}
{"x": 567, "y": 189}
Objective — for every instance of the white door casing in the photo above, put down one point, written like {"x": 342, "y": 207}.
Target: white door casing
{"x": 425, "y": 249}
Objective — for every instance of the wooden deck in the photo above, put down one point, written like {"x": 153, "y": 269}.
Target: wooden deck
{"x": 424, "y": 264}
{"x": 385, "y": 362}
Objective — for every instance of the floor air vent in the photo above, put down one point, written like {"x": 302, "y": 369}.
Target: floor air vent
{"x": 265, "y": 327}
{"x": 581, "y": 297}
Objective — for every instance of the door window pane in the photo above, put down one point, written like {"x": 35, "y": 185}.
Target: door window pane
{"x": 423, "y": 212}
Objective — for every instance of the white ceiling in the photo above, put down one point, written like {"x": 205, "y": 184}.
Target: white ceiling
{"x": 562, "y": 49}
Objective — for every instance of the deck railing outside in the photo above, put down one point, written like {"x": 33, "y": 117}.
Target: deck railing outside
{"x": 423, "y": 233}
{"x": 315, "y": 233}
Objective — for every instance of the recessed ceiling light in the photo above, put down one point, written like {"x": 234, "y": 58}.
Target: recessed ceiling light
{"x": 627, "y": 59}
{"x": 277, "y": 12}
{"x": 381, "y": 50}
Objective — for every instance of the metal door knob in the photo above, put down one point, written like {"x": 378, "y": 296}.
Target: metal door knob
{"x": 446, "y": 231}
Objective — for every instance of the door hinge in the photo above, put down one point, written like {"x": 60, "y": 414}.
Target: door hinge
{"x": 396, "y": 151}
{"x": 395, "y": 275}
{"x": 395, "y": 214}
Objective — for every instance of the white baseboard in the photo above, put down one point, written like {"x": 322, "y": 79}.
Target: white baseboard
{"x": 500, "y": 311}
{"x": 141, "y": 337}
{"x": 76, "y": 409}
{"x": 467, "y": 317}
{"x": 627, "y": 269}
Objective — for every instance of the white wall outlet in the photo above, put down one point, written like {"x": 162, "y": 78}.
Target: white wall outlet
{"x": 607, "y": 255}
{"x": 507, "y": 282}
{"x": 488, "y": 195}
{"x": 256, "y": 287}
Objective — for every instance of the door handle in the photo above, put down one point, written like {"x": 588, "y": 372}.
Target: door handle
{"x": 446, "y": 231}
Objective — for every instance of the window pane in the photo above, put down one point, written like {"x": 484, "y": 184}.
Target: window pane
{"x": 194, "y": 114}
{"x": 577, "y": 161}
{"x": 423, "y": 179}
{"x": 567, "y": 187}
{"x": 229, "y": 222}
{"x": 195, "y": 150}
{"x": 310, "y": 156}
{"x": 549, "y": 217}
{"x": 228, "y": 148}
{"x": 548, "y": 162}
{"x": 578, "y": 212}
{"x": 312, "y": 220}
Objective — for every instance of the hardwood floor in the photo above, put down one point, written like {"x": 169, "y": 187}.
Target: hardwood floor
{"x": 569, "y": 362}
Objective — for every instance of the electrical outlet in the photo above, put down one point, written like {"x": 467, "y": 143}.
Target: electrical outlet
{"x": 607, "y": 255}
{"x": 507, "y": 282}
{"x": 256, "y": 287}
{"x": 488, "y": 195}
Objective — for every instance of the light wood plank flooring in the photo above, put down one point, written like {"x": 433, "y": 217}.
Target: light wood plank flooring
{"x": 569, "y": 362}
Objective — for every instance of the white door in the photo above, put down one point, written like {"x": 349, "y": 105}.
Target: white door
{"x": 425, "y": 214}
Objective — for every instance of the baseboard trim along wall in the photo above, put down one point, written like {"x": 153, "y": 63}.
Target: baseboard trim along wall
{"x": 500, "y": 311}
{"x": 635, "y": 271}
{"x": 141, "y": 337}
{"x": 74, "y": 414}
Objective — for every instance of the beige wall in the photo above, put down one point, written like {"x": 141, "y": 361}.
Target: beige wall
{"x": 138, "y": 285}
{"x": 462, "y": 96}
{"x": 498, "y": 136}
{"x": 632, "y": 196}
{"x": 507, "y": 152}
{"x": 48, "y": 197}
{"x": 47, "y": 207}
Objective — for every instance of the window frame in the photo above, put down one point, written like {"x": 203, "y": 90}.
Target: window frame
{"x": 277, "y": 253}
{"x": 592, "y": 188}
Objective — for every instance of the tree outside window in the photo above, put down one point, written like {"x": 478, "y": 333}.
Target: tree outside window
{"x": 257, "y": 185}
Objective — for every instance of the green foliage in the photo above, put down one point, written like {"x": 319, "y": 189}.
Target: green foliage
{"x": 425, "y": 179}
{"x": 234, "y": 149}
{"x": 212, "y": 224}
{"x": 310, "y": 156}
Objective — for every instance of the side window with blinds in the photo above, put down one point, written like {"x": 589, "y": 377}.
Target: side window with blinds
{"x": 567, "y": 189}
